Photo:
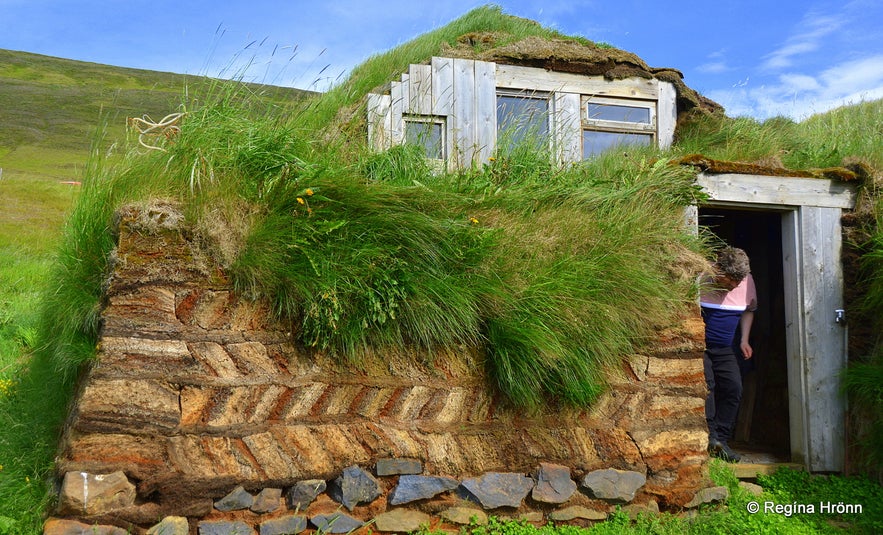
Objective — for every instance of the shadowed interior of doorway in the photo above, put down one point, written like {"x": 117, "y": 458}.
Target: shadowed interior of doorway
{"x": 762, "y": 428}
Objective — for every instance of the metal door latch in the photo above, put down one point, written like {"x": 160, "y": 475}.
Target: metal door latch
{"x": 840, "y": 316}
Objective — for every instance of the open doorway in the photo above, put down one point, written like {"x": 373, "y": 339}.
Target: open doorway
{"x": 762, "y": 428}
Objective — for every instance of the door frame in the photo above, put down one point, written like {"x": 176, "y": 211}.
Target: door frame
{"x": 813, "y": 289}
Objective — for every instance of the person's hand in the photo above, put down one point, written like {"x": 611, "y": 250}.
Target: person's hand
{"x": 747, "y": 352}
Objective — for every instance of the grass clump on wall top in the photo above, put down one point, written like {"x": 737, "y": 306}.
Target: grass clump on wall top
{"x": 555, "y": 273}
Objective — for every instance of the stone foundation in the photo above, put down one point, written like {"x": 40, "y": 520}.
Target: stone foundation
{"x": 196, "y": 391}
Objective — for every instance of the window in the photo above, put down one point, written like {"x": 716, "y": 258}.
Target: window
{"x": 522, "y": 117}
{"x": 609, "y": 123}
{"x": 427, "y": 132}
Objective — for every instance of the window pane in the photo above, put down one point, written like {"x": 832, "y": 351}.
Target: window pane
{"x": 522, "y": 118}
{"x": 613, "y": 112}
{"x": 428, "y": 135}
{"x": 595, "y": 142}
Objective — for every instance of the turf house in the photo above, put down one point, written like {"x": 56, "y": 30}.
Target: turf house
{"x": 462, "y": 283}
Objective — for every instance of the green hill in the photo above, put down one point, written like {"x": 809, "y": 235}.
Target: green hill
{"x": 50, "y": 111}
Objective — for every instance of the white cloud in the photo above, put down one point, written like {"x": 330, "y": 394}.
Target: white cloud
{"x": 800, "y": 95}
{"x": 713, "y": 67}
{"x": 814, "y": 28}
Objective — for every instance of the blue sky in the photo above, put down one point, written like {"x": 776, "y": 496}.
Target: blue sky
{"x": 757, "y": 58}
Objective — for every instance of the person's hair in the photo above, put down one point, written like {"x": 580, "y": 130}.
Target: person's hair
{"x": 733, "y": 262}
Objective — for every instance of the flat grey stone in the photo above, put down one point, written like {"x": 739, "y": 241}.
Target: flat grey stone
{"x": 464, "y": 516}
{"x": 412, "y": 488}
{"x": 284, "y": 525}
{"x": 353, "y": 487}
{"x": 709, "y": 495}
{"x": 401, "y": 520}
{"x": 267, "y": 501}
{"x": 225, "y": 528}
{"x": 528, "y": 516}
{"x": 336, "y": 523}
{"x": 617, "y": 486}
{"x": 171, "y": 525}
{"x": 237, "y": 500}
{"x": 576, "y": 511}
{"x": 753, "y": 488}
{"x": 398, "y": 466}
{"x": 303, "y": 493}
{"x": 634, "y": 510}
{"x": 497, "y": 489}
{"x": 58, "y": 526}
{"x": 554, "y": 484}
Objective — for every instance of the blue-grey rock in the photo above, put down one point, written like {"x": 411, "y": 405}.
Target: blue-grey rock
{"x": 267, "y": 501}
{"x": 284, "y": 525}
{"x": 497, "y": 489}
{"x": 353, "y": 487}
{"x": 302, "y": 494}
{"x": 412, "y": 488}
{"x": 396, "y": 466}
{"x": 336, "y": 523}
{"x": 238, "y": 499}
{"x": 401, "y": 521}
{"x": 617, "y": 486}
{"x": 553, "y": 484}
{"x": 225, "y": 528}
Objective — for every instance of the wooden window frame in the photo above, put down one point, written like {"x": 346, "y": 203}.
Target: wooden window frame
{"x": 619, "y": 127}
{"x": 441, "y": 121}
{"x": 527, "y": 93}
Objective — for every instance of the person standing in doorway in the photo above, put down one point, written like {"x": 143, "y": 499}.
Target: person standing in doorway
{"x": 728, "y": 302}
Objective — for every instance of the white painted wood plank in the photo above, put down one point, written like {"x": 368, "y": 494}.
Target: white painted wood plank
{"x": 485, "y": 112}
{"x": 774, "y": 190}
{"x": 442, "y": 86}
{"x": 443, "y": 102}
{"x": 511, "y": 76}
{"x": 406, "y": 94}
{"x": 398, "y": 99}
{"x": 463, "y": 116}
{"x": 379, "y": 121}
{"x": 825, "y": 339}
{"x": 421, "y": 89}
{"x": 794, "y": 337}
{"x": 666, "y": 114}
{"x": 567, "y": 127}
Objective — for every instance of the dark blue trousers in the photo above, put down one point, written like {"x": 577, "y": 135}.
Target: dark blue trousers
{"x": 724, "y": 382}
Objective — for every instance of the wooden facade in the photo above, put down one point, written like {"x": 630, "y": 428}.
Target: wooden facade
{"x": 461, "y": 96}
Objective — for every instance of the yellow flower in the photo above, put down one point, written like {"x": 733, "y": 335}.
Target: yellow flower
{"x": 300, "y": 200}
{"x": 492, "y": 159}
{"x": 309, "y": 192}
{"x": 473, "y": 220}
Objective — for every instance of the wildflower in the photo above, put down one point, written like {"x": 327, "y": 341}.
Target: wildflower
{"x": 473, "y": 220}
{"x": 309, "y": 192}
{"x": 492, "y": 159}
{"x": 300, "y": 200}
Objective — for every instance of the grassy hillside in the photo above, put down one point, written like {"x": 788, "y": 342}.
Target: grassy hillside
{"x": 52, "y": 111}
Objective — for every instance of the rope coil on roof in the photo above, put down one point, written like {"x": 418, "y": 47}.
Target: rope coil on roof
{"x": 167, "y": 127}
